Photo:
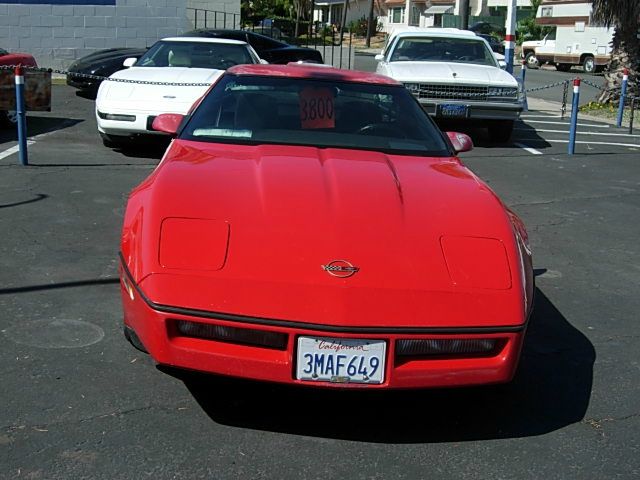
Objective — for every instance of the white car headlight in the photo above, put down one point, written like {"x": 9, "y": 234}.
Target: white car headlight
{"x": 503, "y": 92}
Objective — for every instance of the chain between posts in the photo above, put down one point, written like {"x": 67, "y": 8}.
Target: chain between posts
{"x": 591, "y": 84}
{"x": 101, "y": 78}
{"x": 565, "y": 92}
{"x": 544, "y": 87}
{"x": 191, "y": 84}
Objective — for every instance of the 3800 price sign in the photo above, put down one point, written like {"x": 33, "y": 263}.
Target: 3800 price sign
{"x": 317, "y": 108}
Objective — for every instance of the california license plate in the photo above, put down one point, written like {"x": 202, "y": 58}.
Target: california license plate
{"x": 452, "y": 110}
{"x": 340, "y": 360}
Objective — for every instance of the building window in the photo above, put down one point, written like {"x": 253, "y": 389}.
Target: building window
{"x": 415, "y": 16}
{"x": 546, "y": 11}
{"x": 396, "y": 15}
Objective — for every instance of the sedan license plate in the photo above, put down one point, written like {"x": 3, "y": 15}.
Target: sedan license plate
{"x": 452, "y": 110}
{"x": 340, "y": 360}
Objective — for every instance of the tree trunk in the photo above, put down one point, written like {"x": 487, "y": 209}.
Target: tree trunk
{"x": 626, "y": 54}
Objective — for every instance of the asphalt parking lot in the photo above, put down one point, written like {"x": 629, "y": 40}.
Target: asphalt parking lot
{"x": 79, "y": 402}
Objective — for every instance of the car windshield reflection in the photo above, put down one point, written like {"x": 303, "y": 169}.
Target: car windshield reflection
{"x": 432, "y": 49}
{"x": 211, "y": 55}
{"x": 298, "y": 111}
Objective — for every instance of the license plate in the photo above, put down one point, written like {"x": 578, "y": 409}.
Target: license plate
{"x": 452, "y": 110}
{"x": 340, "y": 360}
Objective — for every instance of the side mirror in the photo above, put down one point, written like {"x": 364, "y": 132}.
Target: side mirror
{"x": 129, "y": 62}
{"x": 379, "y": 57}
{"x": 460, "y": 141}
{"x": 502, "y": 64}
{"x": 167, "y": 123}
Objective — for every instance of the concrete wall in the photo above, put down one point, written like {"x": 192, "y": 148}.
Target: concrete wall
{"x": 57, "y": 34}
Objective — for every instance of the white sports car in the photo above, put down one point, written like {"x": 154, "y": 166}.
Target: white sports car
{"x": 454, "y": 75}
{"x": 126, "y": 109}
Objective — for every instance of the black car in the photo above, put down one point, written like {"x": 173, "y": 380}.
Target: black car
{"x": 102, "y": 63}
{"x": 486, "y": 28}
{"x": 273, "y": 51}
{"x": 495, "y": 44}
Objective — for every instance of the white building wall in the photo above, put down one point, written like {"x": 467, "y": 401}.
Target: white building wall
{"x": 56, "y": 35}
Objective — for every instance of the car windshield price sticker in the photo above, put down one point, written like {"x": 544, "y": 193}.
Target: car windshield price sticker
{"x": 316, "y": 108}
{"x": 340, "y": 360}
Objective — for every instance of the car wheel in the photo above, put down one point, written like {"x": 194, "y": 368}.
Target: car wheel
{"x": 133, "y": 339}
{"x": 114, "y": 141}
{"x": 563, "y": 67}
{"x": 500, "y": 131}
{"x": 531, "y": 61}
{"x": 8, "y": 118}
{"x": 589, "y": 64}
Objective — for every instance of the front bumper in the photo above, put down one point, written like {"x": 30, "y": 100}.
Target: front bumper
{"x": 476, "y": 110}
{"x": 82, "y": 83}
{"x": 156, "y": 327}
{"x": 138, "y": 123}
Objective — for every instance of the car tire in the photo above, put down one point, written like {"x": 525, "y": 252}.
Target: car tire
{"x": 8, "y": 118}
{"x": 133, "y": 339}
{"x": 563, "y": 67}
{"x": 531, "y": 61}
{"x": 114, "y": 141}
{"x": 589, "y": 64}
{"x": 500, "y": 131}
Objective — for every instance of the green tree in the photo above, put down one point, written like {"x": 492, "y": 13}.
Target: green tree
{"x": 528, "y": 29}
{"x": 624, "y": 16}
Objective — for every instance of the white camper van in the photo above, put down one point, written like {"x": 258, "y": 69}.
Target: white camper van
{"x": 575, "y": 40}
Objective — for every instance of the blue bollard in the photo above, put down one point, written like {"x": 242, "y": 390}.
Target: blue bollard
{"x": 574, "y": 116}
{"x": 22, "y": 116}
{"x": 623, "y": 96}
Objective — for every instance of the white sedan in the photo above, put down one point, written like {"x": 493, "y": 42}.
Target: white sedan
{"x": 454, "y": 75}
{"x": 126, "y": 109}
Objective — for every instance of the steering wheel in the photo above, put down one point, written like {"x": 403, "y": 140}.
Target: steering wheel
{"x": 382, "y": 130}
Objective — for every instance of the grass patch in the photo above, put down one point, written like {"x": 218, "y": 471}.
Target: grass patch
{"x": 607, "y": 110}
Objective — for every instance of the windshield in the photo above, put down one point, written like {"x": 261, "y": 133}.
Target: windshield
{"x": 260, "y": 110}
{"x": 442, "y": 49}
{"x": 218, "y": 56}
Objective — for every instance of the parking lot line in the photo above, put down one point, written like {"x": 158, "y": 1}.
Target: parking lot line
{"x": 10, "y": 151}
{"x": 542, "y": 140}
{"x": 567, "y": 124}
{"x": 606, "y": 134}
{"x": 528, "y": 149}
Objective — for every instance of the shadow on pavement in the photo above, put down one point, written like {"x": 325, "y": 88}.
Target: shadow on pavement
{"x": 480, "y": 136}
{"x": 59, "y": 285}
{"x": 38, "y": 126}
{"x": 551, "y": 390}
{"x": 36, "y": 198}
{"x": 152, "y": 148}
{"x": 88, "y": 94}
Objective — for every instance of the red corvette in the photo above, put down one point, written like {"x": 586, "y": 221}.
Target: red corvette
{"x": 313, "y": 226}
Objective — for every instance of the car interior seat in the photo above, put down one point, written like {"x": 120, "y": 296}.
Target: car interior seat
{"x": 179, "y": 57}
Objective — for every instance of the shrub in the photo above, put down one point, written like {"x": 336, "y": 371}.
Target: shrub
{"x": 359, "y": 27}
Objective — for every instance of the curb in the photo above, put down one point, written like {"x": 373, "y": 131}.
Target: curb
{"x": 548, "y": 106}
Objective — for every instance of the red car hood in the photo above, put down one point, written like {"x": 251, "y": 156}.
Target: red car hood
{"x": 291, "y": 210}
